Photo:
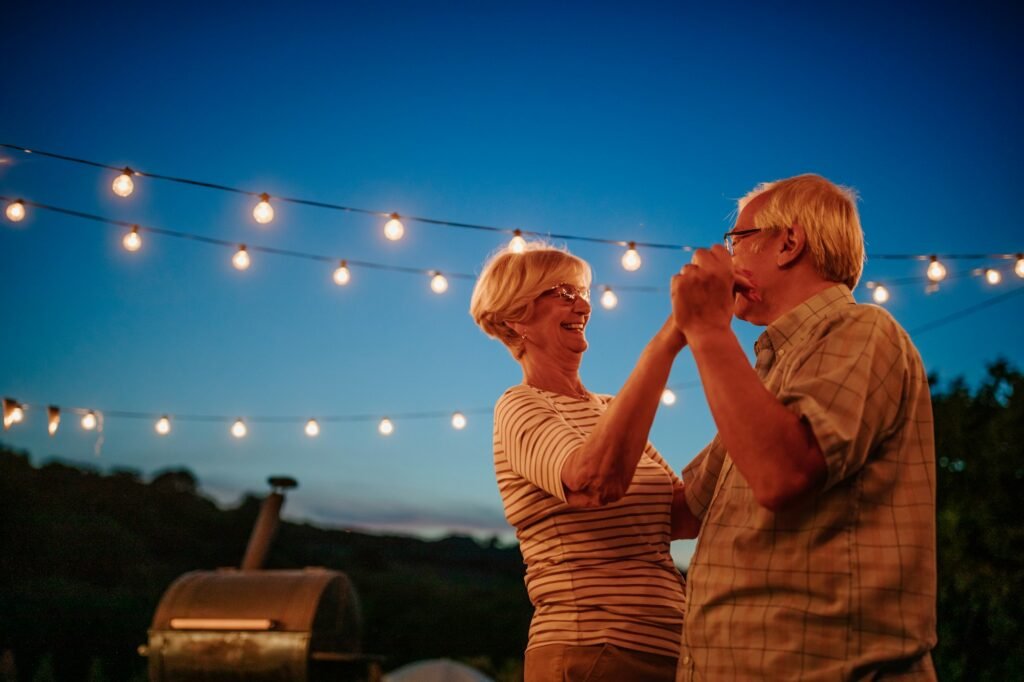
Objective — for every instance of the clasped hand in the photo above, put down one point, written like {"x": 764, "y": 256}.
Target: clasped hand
{"x": 703, "y": 293}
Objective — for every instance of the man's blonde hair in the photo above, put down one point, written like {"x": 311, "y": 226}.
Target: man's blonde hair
{"x": 828, "y": 214}
{"x": 510, "y": 283}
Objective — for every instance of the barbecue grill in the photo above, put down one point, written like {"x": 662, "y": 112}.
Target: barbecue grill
{"x": 251, "y": 624}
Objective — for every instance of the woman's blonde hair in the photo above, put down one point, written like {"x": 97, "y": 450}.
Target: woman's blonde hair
{"x": 828, "y": 214}
{"x": 510, "y": 282}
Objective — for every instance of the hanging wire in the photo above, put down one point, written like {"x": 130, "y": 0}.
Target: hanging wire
{"x": 452, "y": 223}
{"x": 970, "y": 310}
{"x": 178, "y": 234}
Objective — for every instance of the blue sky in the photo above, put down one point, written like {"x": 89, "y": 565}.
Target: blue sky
{"x": 638, "y": 121}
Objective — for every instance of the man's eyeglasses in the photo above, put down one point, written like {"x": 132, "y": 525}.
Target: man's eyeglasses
{"x": 568, "y": 292}
{"x": 731, "y": 237}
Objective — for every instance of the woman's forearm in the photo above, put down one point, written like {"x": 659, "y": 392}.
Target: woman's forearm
{"x": 601, "y": 470}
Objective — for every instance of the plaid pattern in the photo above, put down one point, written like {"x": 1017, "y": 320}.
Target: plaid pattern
{"x": 843, "y": 587}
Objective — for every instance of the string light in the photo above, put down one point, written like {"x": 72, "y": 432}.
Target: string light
{"x": 163, "y": 425}
{"x": 238, "y": 429}
{"x": 16, "y": 211}
{"x": 608, "y": 298}
{"x": 993, "y": 276}
{"x": 631, "y": 259}
{"x": 1018, "y": 267}
{"x": 123, "y": 184}
{"x": 517, "y": 244}
{"x": 312, "y": 428}
{"x": 393, "y": 268}
{"x": 263, "y": 212}
{"x": 936, "y": 270}
{"x": 394, "y": 229}
{"x": 9, "y": 405}
{"x": 433, "y": 221}
{"x": 458, "y": 421}
{"x": 132, "y": 241}
{"x": 438, "y": 283}
{"x": 241, "y": 258}
{"x": 879, "y": 293}
{"x": 89, "y": 420}
{"x": 342, "y": 275}
{"x": 8, "y": 408}
{"x": 668, "y": 397}
{"x": 386, "y": 428}
{"x": 52, "y": 419}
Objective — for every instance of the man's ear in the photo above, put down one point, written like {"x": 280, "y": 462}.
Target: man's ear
{"x": 792, "y": 245}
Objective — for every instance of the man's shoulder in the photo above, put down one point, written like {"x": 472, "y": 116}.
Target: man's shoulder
{"x": 862, "y": 316}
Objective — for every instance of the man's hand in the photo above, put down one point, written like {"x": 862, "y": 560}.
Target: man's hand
{"x": 703, "y": 293}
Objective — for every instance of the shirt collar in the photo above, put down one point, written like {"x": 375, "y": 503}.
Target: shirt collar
{"x": 791, "y": 327}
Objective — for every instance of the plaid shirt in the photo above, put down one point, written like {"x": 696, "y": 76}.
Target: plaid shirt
{"x": 842, "y": 587}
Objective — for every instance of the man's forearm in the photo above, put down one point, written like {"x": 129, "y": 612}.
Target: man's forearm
{"x": 772, "y": 447}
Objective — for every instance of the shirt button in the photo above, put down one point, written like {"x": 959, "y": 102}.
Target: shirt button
{"x": 686, "y": 660}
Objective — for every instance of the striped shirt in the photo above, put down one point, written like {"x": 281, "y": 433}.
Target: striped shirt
{"x": 842, "y": 587}
{"x": 600, "y": 575}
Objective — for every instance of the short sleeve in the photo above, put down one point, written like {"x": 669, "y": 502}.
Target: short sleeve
{"x": 701, "y": 476}
{"x": 848, "y": 385}
{"x": 656, "y": 457}
{"x": 535, "y": 438}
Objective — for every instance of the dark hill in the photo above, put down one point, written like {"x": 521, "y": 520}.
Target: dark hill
{"x": 85, "y": 557}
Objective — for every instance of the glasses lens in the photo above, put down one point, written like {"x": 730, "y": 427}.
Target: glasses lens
{"x": 569, "y": 293}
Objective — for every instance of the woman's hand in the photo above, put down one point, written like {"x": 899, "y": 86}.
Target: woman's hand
{"x": 703, "y": 293}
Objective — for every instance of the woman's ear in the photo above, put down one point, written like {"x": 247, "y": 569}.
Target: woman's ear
{"x": 518, "y": 327}
{"x": 792, "y": 245}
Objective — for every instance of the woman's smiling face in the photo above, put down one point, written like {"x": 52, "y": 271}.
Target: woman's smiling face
{"x": 558, "y": 324}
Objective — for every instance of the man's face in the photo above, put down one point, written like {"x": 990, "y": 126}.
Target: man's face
{"x": 761, "y": 261}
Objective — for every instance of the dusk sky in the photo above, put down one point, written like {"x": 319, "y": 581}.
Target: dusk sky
{"x": 636, "y": 122}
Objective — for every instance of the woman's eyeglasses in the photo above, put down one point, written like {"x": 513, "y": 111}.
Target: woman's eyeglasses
{"x": 568, "y": 292}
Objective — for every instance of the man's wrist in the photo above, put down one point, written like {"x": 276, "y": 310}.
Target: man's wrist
{"x": 700, "y": 340}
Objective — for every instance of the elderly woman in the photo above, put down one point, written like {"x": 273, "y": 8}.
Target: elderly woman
{"x": 593, "y": 503}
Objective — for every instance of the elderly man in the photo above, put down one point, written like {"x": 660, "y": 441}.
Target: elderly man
{"x": 816, "y": 500}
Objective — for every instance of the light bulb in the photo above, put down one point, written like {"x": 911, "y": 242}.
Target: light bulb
{"x": 17, "y": 414}
{"x": 53, "y": 419}
{"x": 608, "y": 299}
{"x": 123, "y": 184}
{"x": 458, "y": 421}
{"x": 668, "y": 397}
{"x": 264, "y": 212}
{"x": 163, "y": 426}
{"x": 385, "y": 427}
{"x": 1018, "y": 267}
{"x": 880, "y": 294}
{"x": 238, "y": 429}
{"x": 394, "y": 229}
{"x": 517, "y": 244}
{"x": 438, "y": 283}
{"x": 16, "y": 211}
{"x": 342, "y": 276}
{"x": 241, "y": 258}
{"x": 89, "y": 421}
{"x": 132, "y": 241}
{"x": 312, "y": 428}
{"x": 936, "y": 270}
{"x": 631, "y": 259}
{"x": 993, "y": 277}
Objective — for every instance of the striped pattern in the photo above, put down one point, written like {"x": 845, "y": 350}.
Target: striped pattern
{"x": 843, "y": 587}
{"x": 595, "y": 576}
